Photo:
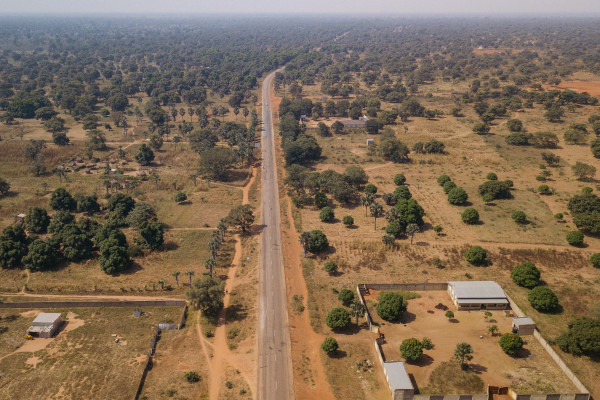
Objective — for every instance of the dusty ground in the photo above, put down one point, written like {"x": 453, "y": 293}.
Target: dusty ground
{"x": 533, "y": 370}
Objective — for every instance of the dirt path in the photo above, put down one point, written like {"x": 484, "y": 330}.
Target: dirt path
{"x": 221, "y": 355}
{"x": 305, "y": 342}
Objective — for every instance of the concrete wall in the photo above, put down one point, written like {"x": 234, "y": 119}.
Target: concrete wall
{"x": 83, "y": 304}
{"x": 424, "y": 286}
{"x": 451, "y": 397}
{"x": 549, "y": 396}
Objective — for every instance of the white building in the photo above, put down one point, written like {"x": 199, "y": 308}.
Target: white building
{"x": 45, "y": 325}
{"x": 477, "y": 295}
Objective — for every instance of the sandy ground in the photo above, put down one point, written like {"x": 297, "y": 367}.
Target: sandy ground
{"x": 592, "y": 87}
{"x": 425, "y": 318}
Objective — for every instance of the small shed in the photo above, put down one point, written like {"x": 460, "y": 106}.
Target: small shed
{"x": 523, "y": 326}
{"x": 370, "y": 142}
{"x": 399, "y": 381}
{"x": 45, "y": 325}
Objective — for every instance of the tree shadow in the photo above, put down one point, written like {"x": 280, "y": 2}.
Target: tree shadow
{"x": 351, "y": 329}
{"x": 170, "y": 245}
{"x": 454, "y": 320}
{"x": 422, "y": 361}
{"x": 408, "y": 317}
{"x": 135, "y": 267}
{"x": 478, "y": 368}
{"x": 442, "y": 307}
{"x": 422, "y": 244}
{"x": 523, "y": 353}
{"x": 235, "y": 312}
{"x": 338, "y": 354}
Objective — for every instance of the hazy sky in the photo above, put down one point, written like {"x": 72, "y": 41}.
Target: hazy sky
{"x": 302, "y": 6}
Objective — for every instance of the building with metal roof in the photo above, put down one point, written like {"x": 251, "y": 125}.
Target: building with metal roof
{"x": 477, "y": 295}
{"x": 45, "y": 325}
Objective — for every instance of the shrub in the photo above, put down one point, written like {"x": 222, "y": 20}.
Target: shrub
{"x": 575, "y": 238}
{"x": 457, "y": 196}
{"x": 330, "y": 345}
{"x": 519, "y": 139}
{"x": 346, "y": 296}
{"x": 411, "y": 349}
{"x": 62, "y": 200}
{"x": 508, "y": 183}
{"x": 394, "y": 228}
{"x": 426, "y": 343}
{"x": 481, "y": 128}
{"x": 595, "y": 260}
{"x": 448, "y": 186}
{"x": 348, "y": 220}
{"x": 491, "y": 176}
{"x": 558, "y": 216}
{"x": 326, "y": 214}
{"x": 470, "y": 216}
{"x": 443, "y": 179}
{"x": 36, "y": 220}
{"x": 519, "y": 217}
{"x": 370, "y": 188}
{"x": 581, "y": 338}
{"x": 543, "y": 299}
{"x": 330, "y": 267}
{"x": 544, "y": 189}
{"x": 399, "y": 179}
{"x": 318, "y": 242}
{"x": 526, "y": 275}
{"x": 180, "y": 197}
{"x": 476, "y": 255}
{"x": 191, "y": 377}
{"x": 515, "y": 125}
{"x": 356, "y": 175}
{"x": 402, "y": 192}
{"x": 391, "y": 306}
{"x": 338, "y": 318}
{"x": 497, "y": 190}
{"x": 320, "y": 200}
{"x": 449, "y": 314}
{"x": 511, "y": 343}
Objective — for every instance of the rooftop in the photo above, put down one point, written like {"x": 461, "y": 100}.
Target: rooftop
{"x": 46, "y": 318}
{"x": 477, "y": 290}
{"x": 397, "y": 376}
{"x": 523, "y": 321}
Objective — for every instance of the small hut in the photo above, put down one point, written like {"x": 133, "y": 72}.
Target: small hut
{"x": 523, "y": 326}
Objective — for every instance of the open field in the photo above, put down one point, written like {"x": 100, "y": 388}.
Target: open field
{"x": 69, "y": 365}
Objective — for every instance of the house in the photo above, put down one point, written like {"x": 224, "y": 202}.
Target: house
{"x": 45, "y": 325}
{"x": 398, "y": 380}
{"x": 523, "y": 326}
{"x": 477, "y": 295}
{"x": 370, "y": 142}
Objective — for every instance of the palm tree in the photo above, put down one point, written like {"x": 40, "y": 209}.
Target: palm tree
{"x": 366, "y": 200}
{"x": 155, "y": 177}
{"x": 176, "y": 275}
{"x": 222, "y": 228}
{"x": 376, "y": 211}
{"x": 190, "y": 274}
{"x": 60, "y": 171}
{"x": 162, "y": 284}
{"x": 236, "y": 111}
{"x": 214, "y": 246}
{"x": 209, "y": 264}
{"x": 411, "y": 229}
{"x": 245, "y": 112}
{"x": 462, "y": 353}
{"x": 182, "y": 112}
{"x": 174, "y": 113}
{"x": 193, "y": 177}
{"x": 191, "y": 113}
{"x": 357, "y": 310}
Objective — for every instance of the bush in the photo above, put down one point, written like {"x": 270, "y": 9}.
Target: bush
{"x": 402, "y": 192}
{"x": 62, "y": 200}
{"x": 426, "y": 343}
{"x": 356, "y": 175}
{"x": 470, "y": 216}
{"x": 443, "y": 179}
{"x": 399, "y": 179}
{"x": 370, "y": 188}
{"x": 476, "y": 255}
{"x": 338, "y": 318}
{"x": 448, "y": 186}
{"x": 180, "y": 197}
{"x": 511, "y": 343}
{"x": 346, "y": 296}
{"x": 391, "y": 306}
{"x": 411, "y": 349}
{"x": 595, "y": 260}
{"x": 191, "y": 377}
{"x": 491, "y": 176}
{"x": 330, "y": 345}
{"x": 496, "y": 190}
{"x": 36, "y": 220}
{"x": 395, "y": 229}
{"x": 457, "y": 196}
{"x": 519, "y": 217}
{"x": 519, "y": 139}
{"x": 575, "y": 238}
{"x": 318, "y": 242}
{"x": 581, "y": 338}
{"x": 515, "y": 125}
{"x": 326, "y": 214}
{"x": 543, "y": 299}
{"x": 544, "y": 189}
{"x": 348, "y": 220}
{"x": 526, "y": 275}
{"x": 320, "y": 200}
{"x": 449, "y": 314}
{"x": 330, "y": 267}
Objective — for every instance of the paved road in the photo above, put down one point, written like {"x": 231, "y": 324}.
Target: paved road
{"x": 275, "y": 376}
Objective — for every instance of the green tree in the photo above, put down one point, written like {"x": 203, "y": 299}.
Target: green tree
{"x": 318, "y": 242}
{"x": 151, "y": 235}
{"x": 345, "y": 296}
{"x": 526, "y": 275}
{"x": 338, "y": 318}
{"x": 330, "y": 267}
{"x": 411, "y": 349}
{"x": 41, "y": 255}
{"x": 470, "y": 216}
{"x": 511, "y": 343}
{"x": 492, "y": 329}
{"x": 54, "y": 125}
{"x": 575, "y": 238}
{"x": 60, "y": 220}
{"x": 114, "y": 257}
{"x": 495, "y": 190}
{"x": 376, "y": 212}
{"x": 581, "y": 338}
{"x": 583, "y": 172}
{"x": 4, "y": 187}
{"x": 357, "y": 310}
{"x": 391, "y": 306}
{"x": 88, "y": 204}
{"x": 241, "y": 216}
{"x": 442, "y": 179}
{"x": 515, "y": 125}
{"x": 399, "y": 179}
{"x": 595, "y": 260}
{"x": 411, "y": 229}
{"x": 75, "y": 244}
{"x": 348, "y": 220}
{"x": 457, "y": 196}
{"x": 180, "y": 197}
{"x": 207, "y": 295}
{"x": 145, "y": 156}
{"x": 543, "y": 299}
{"x": 326, "y": 214}
{"x": 462, "y": 353}
{"x": 36, "y": 220}
{"x": 476, "y": 255}
{"x": 62, "y": 200}
{"x": 216, "y": 162}
{"x": 481, "y": 128}
{"x": 519, "y": 217}
{"x": 595, "y": 147}
{"x": 329, "y": 346}
{"x": 356, "y": 176}
{"x": 448, "y": 186}
{"x": 449, "y": 314}
{"x": 320, "y": 200}
{"x": 371, "y": 189}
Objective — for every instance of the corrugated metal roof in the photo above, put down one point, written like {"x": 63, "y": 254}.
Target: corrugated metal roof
{"x": 520, "y": 321}
{"x": 397, "y": 376}
{"x": 477, "y": 290}
{"x": 46, "y": 318}
{"x": 482, "y": 301}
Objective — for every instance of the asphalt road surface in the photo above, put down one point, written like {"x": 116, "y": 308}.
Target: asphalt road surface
{"x": 275, "y": 376}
